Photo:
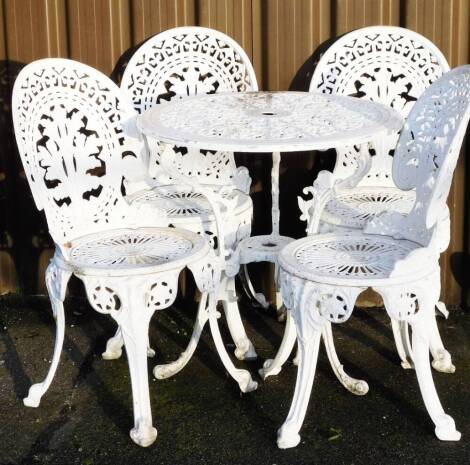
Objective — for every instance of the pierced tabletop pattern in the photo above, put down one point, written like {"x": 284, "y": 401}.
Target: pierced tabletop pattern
{"x": 268, "y": 121}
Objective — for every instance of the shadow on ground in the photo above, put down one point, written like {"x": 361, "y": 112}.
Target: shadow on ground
{"x": 200, "y": 414}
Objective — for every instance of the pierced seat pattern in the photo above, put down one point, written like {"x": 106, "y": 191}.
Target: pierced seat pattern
{"x": 181, "y": 202}
{"x": 354, "y": 207}
{"x": 345, "y": 258}
{"x": 138, "y": 250}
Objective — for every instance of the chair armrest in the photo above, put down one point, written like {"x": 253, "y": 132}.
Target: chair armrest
{"x": 322, "y": 192}
{"x": 242, "y": 179}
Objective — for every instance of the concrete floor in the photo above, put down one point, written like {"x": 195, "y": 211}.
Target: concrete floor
{"x": 200, "y": 414}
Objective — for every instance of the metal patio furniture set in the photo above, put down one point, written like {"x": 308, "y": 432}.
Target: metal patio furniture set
{"x": 139, "y": 182}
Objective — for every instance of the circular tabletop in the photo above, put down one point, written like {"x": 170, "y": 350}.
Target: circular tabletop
{"x": 268, "y": 121}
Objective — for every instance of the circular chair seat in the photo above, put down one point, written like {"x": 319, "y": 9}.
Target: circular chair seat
{"x": 136, "y": 251}
{"x": 352, "y": 208}
{"x": 182, "y": 204}
{"x": 355, "y": 259}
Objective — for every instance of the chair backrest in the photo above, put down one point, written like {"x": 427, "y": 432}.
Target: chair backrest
{"x": 428, "y": 150}
{"x": 187, "y": 61}
{"x": 67, "y": 118}
{"x": 385, "y": 64}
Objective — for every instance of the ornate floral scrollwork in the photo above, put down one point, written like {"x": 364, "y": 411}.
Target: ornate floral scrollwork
{"x": 57, "y": 277}
{"x": 427, "y": 152}
{"x": 242, "y": 179}
{"x": 321, "y": 192}
{"x": 206, "y": 272}
{"x": 403, "y": 302}
{"x": 162, "y": 70}
{"x": 104, "y": 299}
{"x": 389, "y": 65}
{"x": 336, "y": 304}
{"x": 68, "y": 124}
{"x": 312, "y": 304}
{"x": 162, "y": 291}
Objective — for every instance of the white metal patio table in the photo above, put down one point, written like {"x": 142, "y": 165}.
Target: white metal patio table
{"x": 257, "y": 123}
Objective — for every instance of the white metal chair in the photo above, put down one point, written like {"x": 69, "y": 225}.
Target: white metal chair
{"x": 180, "y": 62}
{"x": 397, "y": 255}
{"x": 393, "y": 66}
{"x": 68, "y": 122}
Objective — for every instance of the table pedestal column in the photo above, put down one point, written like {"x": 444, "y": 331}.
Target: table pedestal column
{"x": 265, "y": 248}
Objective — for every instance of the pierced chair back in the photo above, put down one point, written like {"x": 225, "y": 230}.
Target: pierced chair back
{"x": 188, "y": 61}
{"x": 389, "y": 65}
{"x": 427, "y": 151}
{"x": 67, "y": 119}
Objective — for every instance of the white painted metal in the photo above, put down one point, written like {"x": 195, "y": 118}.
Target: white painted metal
{"x": 174, "y": 64}
{"x": 261, "y": 122}
{"x": 397, "y": 255}
{"x": 257, "y": 122}
{"x": 68, "y": 121}
{"x": 390, "y": 65}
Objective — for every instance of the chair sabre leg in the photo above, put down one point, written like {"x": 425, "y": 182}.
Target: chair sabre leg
{"x": 445, "y": 425}
{"x": 242, "y": 377}
{"x": 244, "y": 347}
{"x": 169, "y": 369}
{"x": 442, "y": 360}
{"x": 399, "y": 329}
{"x": 288, "y": 435}
{"x": 258, "y": 297}
{"x": 358, "y": 387}
{"x": 272, "y": 367}
{"x": 56, "y": 280}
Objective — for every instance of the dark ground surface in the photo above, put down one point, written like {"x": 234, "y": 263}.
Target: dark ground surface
{"x": 200, "y": 415}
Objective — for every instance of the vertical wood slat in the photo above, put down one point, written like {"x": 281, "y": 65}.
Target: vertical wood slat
{"x": 35, "y": 29}
{"x": 354, "y": 14}
{"x": 148, "y": 17}
{"x": 279, "y": 36}
{"x": 99, "y": 31}
{"x": 293, "y": 30}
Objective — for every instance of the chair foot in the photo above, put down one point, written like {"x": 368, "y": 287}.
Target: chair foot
{"x": 442, "y": 361}
{"x": 445, "y": 429}
{"x": 114, "y": 346}
{"x": 406, "y": 365}
{"x": 287, "y": 439}
{"x": 111, "y": 353}
{"x": 246, "y": 383}
{"x": 143, "y": 436}
{"x": 272, "y": 367}
{"x": 359, "y": 387}
{"x": 245, "y": 350}
{"x": 265, "y": 371}
{"x": 35, "y": 394}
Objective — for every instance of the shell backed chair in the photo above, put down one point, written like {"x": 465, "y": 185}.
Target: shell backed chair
{"x": 397, "y": 255}
{"x": 173, "y": 64}
{"x": 68, "y": 121}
